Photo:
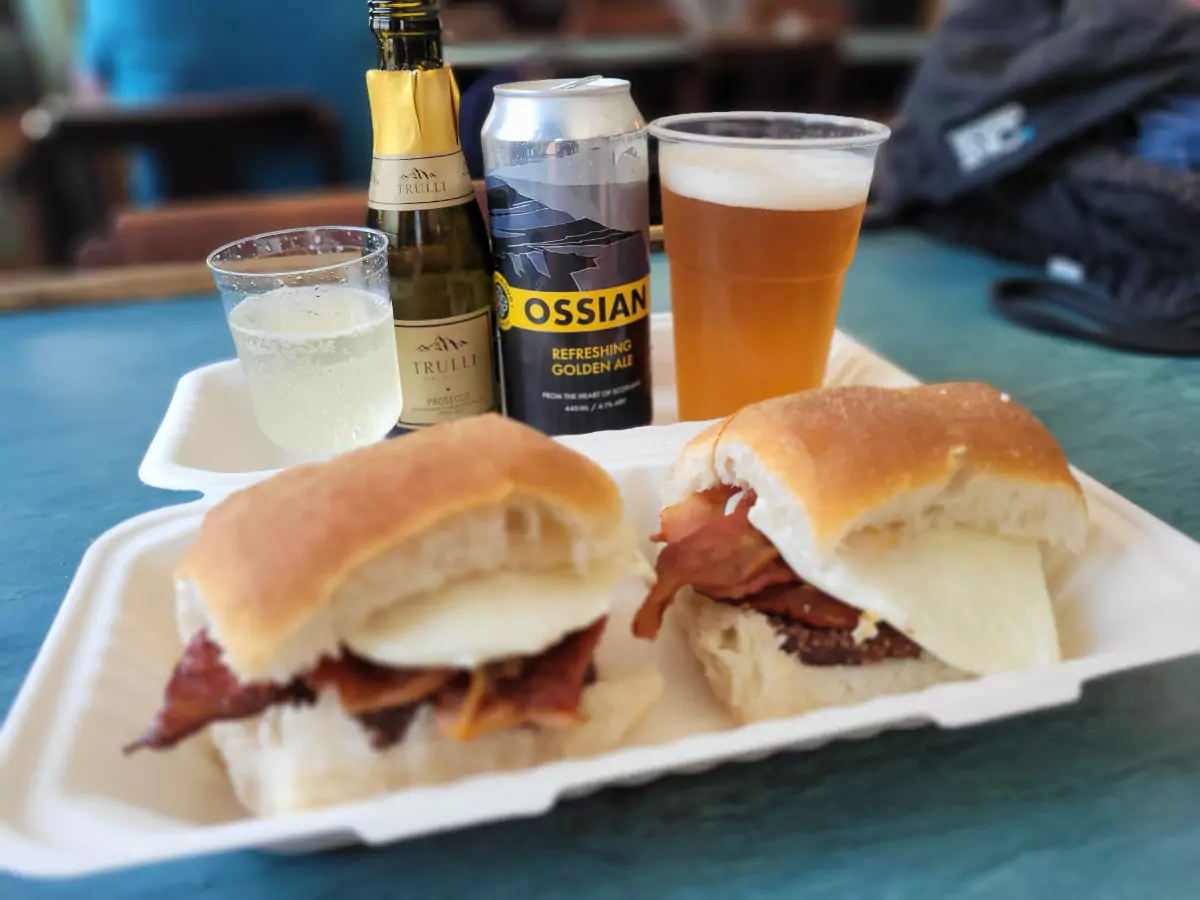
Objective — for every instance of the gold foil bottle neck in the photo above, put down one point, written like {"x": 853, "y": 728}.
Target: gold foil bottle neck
{"x": 414, "y": 111}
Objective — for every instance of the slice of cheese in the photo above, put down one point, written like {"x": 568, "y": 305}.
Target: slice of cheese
{"x": 492, "y": 617}
{"x": 975, "y": 601}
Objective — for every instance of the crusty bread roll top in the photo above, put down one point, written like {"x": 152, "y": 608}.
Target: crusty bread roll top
{"x": 856, "y": 458}
{"x": 280, "y": 571}
{"x": 924, "y": 507}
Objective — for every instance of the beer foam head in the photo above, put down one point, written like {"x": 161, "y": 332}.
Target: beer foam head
{"x": 766, "y": 178}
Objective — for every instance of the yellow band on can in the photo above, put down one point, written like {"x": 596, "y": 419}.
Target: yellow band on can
{"x": 573, "y": 311}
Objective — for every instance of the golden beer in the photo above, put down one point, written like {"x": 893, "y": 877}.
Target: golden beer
{"x": 759, "y": 239}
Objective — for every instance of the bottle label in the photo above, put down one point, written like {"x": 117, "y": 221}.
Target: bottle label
{"x": 416, "y": 182}
{"x": 446, "y": 368}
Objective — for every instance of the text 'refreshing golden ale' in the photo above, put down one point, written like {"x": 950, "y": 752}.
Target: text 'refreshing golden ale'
{"x": 759, "y": 244}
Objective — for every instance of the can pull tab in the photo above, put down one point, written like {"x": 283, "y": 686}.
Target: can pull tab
{"x": 577, "y": 83}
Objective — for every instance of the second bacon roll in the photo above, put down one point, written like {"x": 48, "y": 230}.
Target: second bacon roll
{"x": 839, "y": 544}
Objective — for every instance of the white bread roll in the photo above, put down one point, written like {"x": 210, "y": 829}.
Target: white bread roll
{"x": 292, "y": 568}
{"x": 294, "y": 758}
{"x": 925, "y": 506}
{"x": 755, "y": 679}
{"x": 836, "y": 461}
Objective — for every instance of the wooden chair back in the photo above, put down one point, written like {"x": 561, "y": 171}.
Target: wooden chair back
{"x": 596, "y": 18}
{"x": 189, "y": 231}
{"x": 198, "y": 145}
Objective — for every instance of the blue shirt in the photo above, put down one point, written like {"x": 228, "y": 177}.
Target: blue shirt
{"x": 1169, "y": 133}
{"x": 147, "y": 51}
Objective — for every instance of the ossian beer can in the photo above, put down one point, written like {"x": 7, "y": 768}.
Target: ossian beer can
{"x": 567, "y": 189}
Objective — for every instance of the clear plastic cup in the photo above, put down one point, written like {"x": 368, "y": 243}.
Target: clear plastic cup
{"x": 761, "y": 214}
{"x": 312, "y": 323}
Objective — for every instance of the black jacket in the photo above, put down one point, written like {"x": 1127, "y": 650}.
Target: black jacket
{"x": 1016, "y": 137}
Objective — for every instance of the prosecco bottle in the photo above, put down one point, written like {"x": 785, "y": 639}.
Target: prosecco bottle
{"x": 421, "y": 196}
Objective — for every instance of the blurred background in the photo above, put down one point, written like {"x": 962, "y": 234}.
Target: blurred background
{"x": 138, "y": 132}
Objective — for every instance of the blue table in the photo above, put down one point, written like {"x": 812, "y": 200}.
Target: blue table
{"x": 1098, "y": 800}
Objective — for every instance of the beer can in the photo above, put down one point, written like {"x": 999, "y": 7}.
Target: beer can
{"x": 567, "y": 176}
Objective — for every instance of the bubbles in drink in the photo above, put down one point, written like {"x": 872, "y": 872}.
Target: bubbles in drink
{"x": 320, "y": 363}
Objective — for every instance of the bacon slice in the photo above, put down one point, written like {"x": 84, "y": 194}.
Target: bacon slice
{"x": 202, "y": 690}
{"x": 364, "y": 687}
{"x": 774, "y": 572}
{"x": 690, "y": 515}
{"x": 388, "y": 727}
{"x": 725, "y": 557}
{"x": 544, "y": 690}
{"x": 801, "y": 602}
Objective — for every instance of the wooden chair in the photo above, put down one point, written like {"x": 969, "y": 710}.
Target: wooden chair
{"x": 189, "y": 231}
{"x": 199, "y": 145}
{"x": 474, "y": 21}
{"x": 595, "y": 18}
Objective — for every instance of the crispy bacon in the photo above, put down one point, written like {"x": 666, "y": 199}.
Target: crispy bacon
{"x": 543, "y": 690}
{"x": 724, "y": 557}
{"x": 365, "y": 687}
{"x": 387, "y": 727}
{"x": 690, "y": 515}
{"x": 202, "y": 689}
{"x": 774, "y": 572}
{"x": 801, "y": 602}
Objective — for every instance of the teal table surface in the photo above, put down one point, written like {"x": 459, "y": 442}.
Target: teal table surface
{"x": 1098, "y": 800}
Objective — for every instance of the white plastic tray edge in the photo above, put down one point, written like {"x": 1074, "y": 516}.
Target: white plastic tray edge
{"x": 158, "y": 468}
{"x": 52, "y": 667}
{"x": 528, "y": 792}
{"x": 533, "y": 791}
{"x": 161, "y": 468}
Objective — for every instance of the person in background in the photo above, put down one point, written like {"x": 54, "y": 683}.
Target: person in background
{"x": 154, "y": 51}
